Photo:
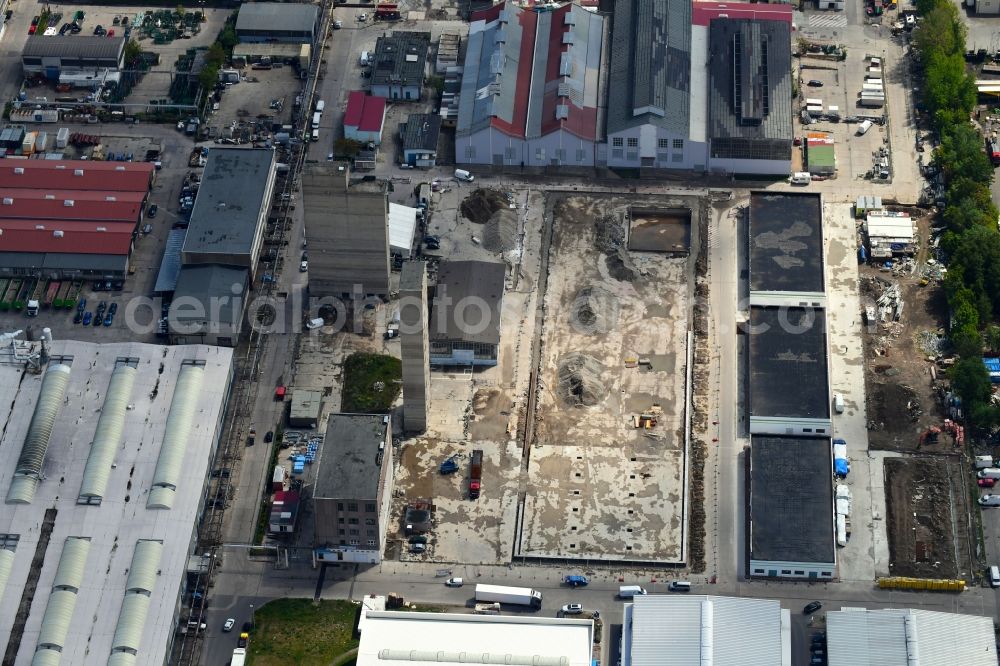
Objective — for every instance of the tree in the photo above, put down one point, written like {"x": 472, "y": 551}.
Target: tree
{"x": 991, "y": 339}
{"x": 949, "y": 92}
{"x": 969, "y": 204}
{"x": 940, "y": 32}
{"x": 228, "y": 38}
{"x": 970, "y": 380}
{"x": 216, "y": 56}
{"x": 208, "y": 77}
{"x": 180, "y": 11}
{"x": 346, "y": 147}
{"x": 961, "y": 154}
{"x": 132, "y": 53}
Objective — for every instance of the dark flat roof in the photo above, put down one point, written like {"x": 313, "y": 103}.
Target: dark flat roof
{"x": 420, "y": 132}
{"x": 471, "y": 288}
{"x": 349, "y": 460}
{"x": 400, "y": 58}
{"x": 84, "y": 47}
{"x": 791, "y": 499}
{"x": 786, "y": 242}
{"x": 788, "y": 364}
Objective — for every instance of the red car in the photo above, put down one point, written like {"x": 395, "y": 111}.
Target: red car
{"x": 986, "y": 483}
{"x": 32, "y": 29}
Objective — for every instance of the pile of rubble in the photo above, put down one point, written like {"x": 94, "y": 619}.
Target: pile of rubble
{"x": 483, "y": 203}
{"x": 580, "y": 382}
{"x": 888, "y": 300}
{"x": 609, "y": 235}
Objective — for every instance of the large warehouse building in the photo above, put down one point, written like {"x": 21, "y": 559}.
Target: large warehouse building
{"x": 531, "y": 90}
{"x": 791, "y": 508}
{"x": 699, "y": 629}
{"x": 107, "y": 451}
{"x": 81, "y": 60}
{"x": 222, "y": 246}
{"x": 277, "y": 22}
{"x": 465, "y": 318}
{"x": 70, "y": 218}
{"x": 393, "y": 638}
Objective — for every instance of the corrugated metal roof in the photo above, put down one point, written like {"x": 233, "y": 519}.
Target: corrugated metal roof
{"x": 76, "y": 174}
{"x": 145, "y": 564}
{"x": 65, "y": 238}
{"x": 170, "y": 266}
{"x": 671, "y": 630}
{"x": 62, "y": 600}
{"x": 277, "y": 17}
{"x": 365, "y": 112}
{"x": 86, "y": 47}
{"x": 36, "y": 442}
{"x": 402, "y": 227}
{"x": 862, "y": 637}
{"x": 183, "y": 408}
{"x": 6, "y": 564}
{"x": 108, "y": 436}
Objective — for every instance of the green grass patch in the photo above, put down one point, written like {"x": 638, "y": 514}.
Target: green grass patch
{"x": 303, "y": 632}
{"x": 372, "y": 383}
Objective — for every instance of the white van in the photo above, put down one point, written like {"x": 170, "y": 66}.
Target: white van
{"x": 989, "y": 473}
{"x": 864, "y": 127}
{"x": 316, "y": 118}
{"x": 314, "y": 323}
{"x": 462, "y": 174}
{"x": 364, "y": 59}
{"x": 838, "y": 403}
{"x": 679, "y": 586}
{"x": 982, "y": 462}
{"x": 994, "y": 572}
{"x": 315, "y": 134}
{"x": 801, "y": 178}
{"x": 629, "y": 591}
{"x": 320, "y": 105}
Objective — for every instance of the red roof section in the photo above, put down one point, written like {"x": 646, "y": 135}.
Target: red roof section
{"x": 528, "y": 20}
{"x": 76, "y": 175}
{"x": 702, "y": 13}
{"x": 72, "y": 241}
{"x": 69, "y": 208}
{"x": 364, "y": 112}
{"x": 582, "y": 121}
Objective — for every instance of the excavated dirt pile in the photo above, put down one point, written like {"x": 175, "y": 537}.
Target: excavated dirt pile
{"x": 610, "y": 238}
{"x": 482, "y": 203}
{"x": 500, "y": 232}
{"x": 580, "y": 380}
{"x": 595, "y": 310}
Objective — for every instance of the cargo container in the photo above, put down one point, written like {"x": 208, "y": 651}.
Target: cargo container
{"x": 503, "y": 594}
{"x": 41, "y": 141}
{"x": 28, "y": 145}
{"x": 62, "y": 137}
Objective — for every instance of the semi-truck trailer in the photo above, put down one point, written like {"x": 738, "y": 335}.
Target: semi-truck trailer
{"x": 519, "y": 596}
{"x": 476, "y": 474}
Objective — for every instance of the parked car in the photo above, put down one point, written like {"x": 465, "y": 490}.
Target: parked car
{"x": 418, "y": 538}
{"x": 228, "y": 626}
{"x": 814, "y": 83}
{"x": 986, "y": 483}
{"x": 454, "y": 582}
{"x": 147, "y": 229}
{"x": 151, "y": 211}
{"x": 268, "y": 437}
{"x": 109, "y": 319}
{"x": 811, "y": 607}
{"x": 87, "y": 317}
{"x": 989, "y": 500}
{"x": 576, "y": 581}
{"x": 81, "y": 305}
{"x": 572, "y": 609}
{"x": 418, "y": 548}
{"x": 337, "y": 25}
{"x": 35, "y": 20}
{"x": 113, "y": 309}
{"x": 78, "y": 317}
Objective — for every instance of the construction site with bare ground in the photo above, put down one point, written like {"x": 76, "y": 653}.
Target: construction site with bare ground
{"x": 607, "y": 461}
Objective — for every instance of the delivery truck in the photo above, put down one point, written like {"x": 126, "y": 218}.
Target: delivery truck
{"x": 239, "y": 657}
{"x": 502, "y": 594}
{"x": 476, "y": 474}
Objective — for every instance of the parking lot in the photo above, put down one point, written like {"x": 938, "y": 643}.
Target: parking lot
{"x": 837, "y": 85}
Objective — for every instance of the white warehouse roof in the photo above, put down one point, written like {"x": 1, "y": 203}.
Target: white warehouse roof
{"x": 416, "y": 639}
{"x": 402, "y": 225}
{"x": 675, "y": 630}
{"x": 111, "y": 574}
{"x": 862, "y": 637}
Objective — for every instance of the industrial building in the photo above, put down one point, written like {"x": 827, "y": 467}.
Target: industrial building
{"x": 364, "y": 118}
{"x": 465, "y": 316}
{"x": 531, "y": 89}
{"x": 70, "y": 218}
{"x": 277, "y": 22}
{"x": 284, "y": 514}
{"x": 791, "y": 510}
{"x": 650, "y": 114}
{"x": 348, "y": 231}
{"x": 414, "y": 345}
{"x": 700, "y": 629}
{"x": 749, "y": 93}
{"x": 419, "y": 136}
{"x": 208, "y": 305}
{"x": 786, "y": 247}
{"x": 399, "y": 64}
{"x": 352, "y": 489}
{"x": 80, "y": 60}
{"x": 108, "y": 449}
{"x": 788, "y": 388}
{"x": 231, "y": 207}
{"x": 402, "y": 229}
{"x": 863, "y": 637}
{"x": 305, "y": 409}
{"x": 393, "y": 638}
{"x": 890, "y": 234}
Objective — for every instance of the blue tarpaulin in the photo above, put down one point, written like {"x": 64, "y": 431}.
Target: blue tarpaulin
{"x": 842, "y": 467}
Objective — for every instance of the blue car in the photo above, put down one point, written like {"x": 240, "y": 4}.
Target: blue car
{"x": 87, "y": 317}
{"x": 109, "y": 319}
{"x": 576, "y": 581}
{"x": 82, "y": 305}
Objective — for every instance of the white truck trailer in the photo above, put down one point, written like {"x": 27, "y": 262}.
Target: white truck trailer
{"x": 520, "y": 596}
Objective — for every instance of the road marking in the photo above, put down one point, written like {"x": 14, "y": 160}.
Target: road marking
{"x": 827, "y": 21}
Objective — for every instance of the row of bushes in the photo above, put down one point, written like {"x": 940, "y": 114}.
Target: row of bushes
{"x": 971, "y": 240}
